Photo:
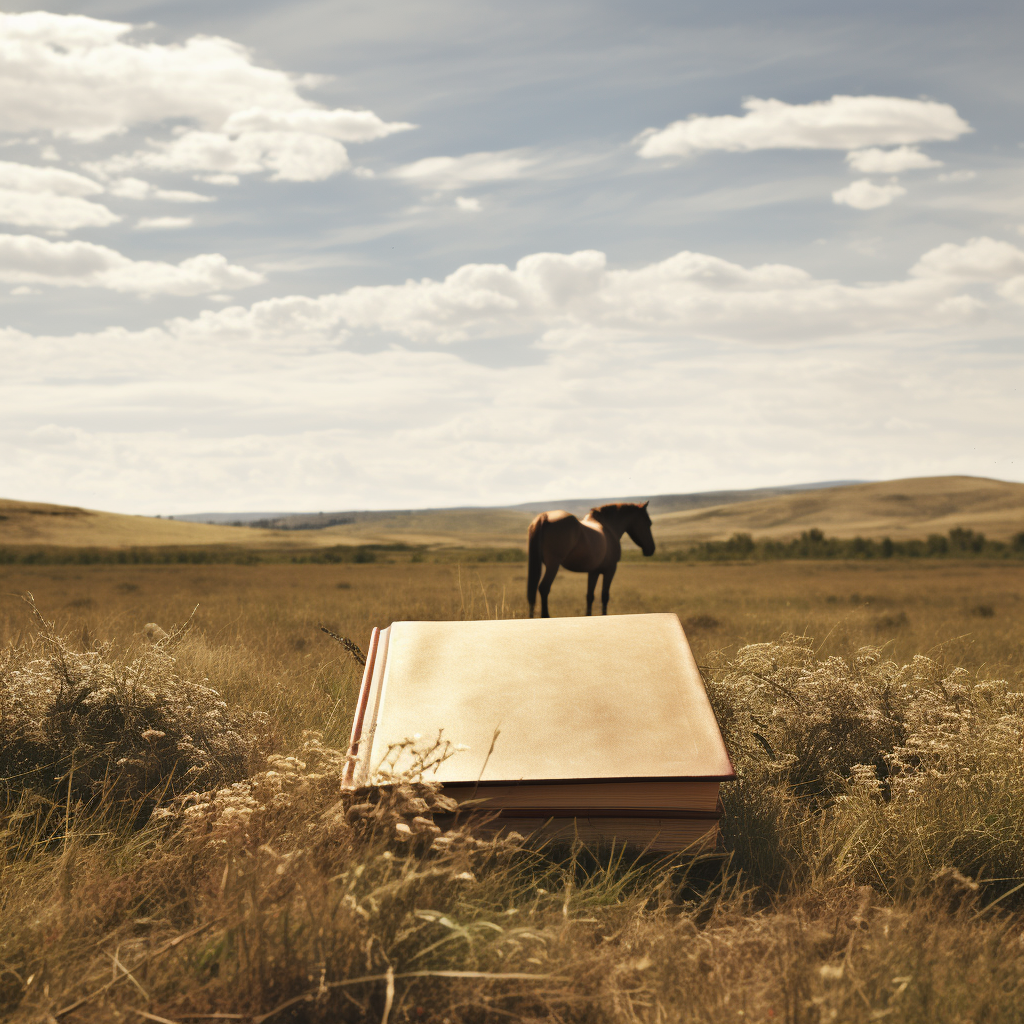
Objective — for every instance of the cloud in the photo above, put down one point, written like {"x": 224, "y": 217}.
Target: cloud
{"x": 164, "y": 223}
{"x": 49, "y": 198}
{"x": 980, "y": 259}
{"x": 692, "y": 372}
{"x": 83, "y": 78}
{"x": 890, "y": 161}
{"x": 221, "y": 158}
{"x": 468, "y": 204}
{"x": 343, "y": 125}
{"x": 26, "y": 259}
{"x": 27, "y": 178}
{"x": 52, "y": 212}
{"x": 843, "y": 122}
{"x": 456, "y": 172}
{"x": 561, "y": 300}
{"x": 135, "y": 188}
{"x": 864, "y": 194}
{"x": 166, "y": 421}
{"x": 957, "y": 176}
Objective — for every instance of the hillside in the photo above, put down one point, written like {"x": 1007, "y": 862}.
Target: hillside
{"x": 901, "y": 509}
{"x": 27, "y": 522}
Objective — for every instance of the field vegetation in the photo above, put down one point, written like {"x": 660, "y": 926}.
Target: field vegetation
{"x": 176, "y": 846}
{"x": 903, "y": 510}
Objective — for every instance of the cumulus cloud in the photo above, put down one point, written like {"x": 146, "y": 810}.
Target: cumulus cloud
{"x": 468, "y": 204}
{"x": 27, "y": 178}
{"x": 980, "y": 259}
{"x": 52, "y": 212}
{"x": 890, "y": 161}
{"x": 563, "y": 299}
{"x": 85, "y": 79}
{"x": 49, "y": 198}
{"x": 26, "y": 259}
{"x": 779, "y": 368}
{"x": 163, "y": 223}
{"x": 456, "y": 172}
{"x": 864, "y": 194}
{"x": 842, "y": 122}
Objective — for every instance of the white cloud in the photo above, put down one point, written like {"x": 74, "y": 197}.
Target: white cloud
{"x": 864, "y": 194}
{"x": 52, "y": 212}
{"x": 957, "y": 176}
{"x": 890, "y": 161}
{"x": 653, "y": 378}
{"x": 291, "y": 156}
{"x": 135, "y": 188}
{"x": 27, "y": 178}
{"x": 456, "y": 172}
{"x": 562, "y": 299}
{"x": 164, "y": 223}
{"x": 218, "y": 179}
{"x": 343, "y": 125}
{"x": 980, "y": 259}
{"x": 1013, "y": 290}
{"x": 843, "y": 122}
{"x": 469, "y": 204}
{"x": 161, "y": 421}
{"x": 26, "y": 259}
{"x": 23, "y": 289}
{"x": 84, "y": 79}
{"x": 49, "y": 198}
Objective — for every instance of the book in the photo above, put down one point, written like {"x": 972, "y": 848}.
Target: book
{"x": 598, "y": 727}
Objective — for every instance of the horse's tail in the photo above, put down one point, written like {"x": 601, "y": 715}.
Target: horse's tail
{"x": 536, "y": 562}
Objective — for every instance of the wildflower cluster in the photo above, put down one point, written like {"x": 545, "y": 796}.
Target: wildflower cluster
{"x": 85, "y": 727}
{"x": 901, "y": 768}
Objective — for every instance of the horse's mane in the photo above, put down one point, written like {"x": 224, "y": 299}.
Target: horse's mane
{"x": 615, "y": 506}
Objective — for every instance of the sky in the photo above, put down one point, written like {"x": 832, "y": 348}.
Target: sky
{"x": 322, "y": 256}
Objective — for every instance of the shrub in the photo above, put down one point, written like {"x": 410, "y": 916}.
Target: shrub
{"x": 89, "y": 728}
{"x": 863, "y": 770}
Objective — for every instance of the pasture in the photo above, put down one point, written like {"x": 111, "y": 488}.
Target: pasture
{"x": 848, "y": 895}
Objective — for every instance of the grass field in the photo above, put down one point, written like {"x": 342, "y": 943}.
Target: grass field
{"x": 874, "y": 854}
{"x": 900, "y": 509}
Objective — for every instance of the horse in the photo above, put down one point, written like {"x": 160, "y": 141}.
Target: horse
{"x": 591, "y": 545}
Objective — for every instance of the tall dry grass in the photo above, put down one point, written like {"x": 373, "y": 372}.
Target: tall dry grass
{"x": 874, "y": 835}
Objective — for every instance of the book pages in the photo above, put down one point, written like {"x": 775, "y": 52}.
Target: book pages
{"x": 615, "y": 697}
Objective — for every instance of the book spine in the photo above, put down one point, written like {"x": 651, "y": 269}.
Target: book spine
{"x": 649, "y": 813}
{"x": 357, "y": 722}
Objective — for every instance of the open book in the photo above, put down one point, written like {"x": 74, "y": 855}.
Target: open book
{"x": 598, "y": 727}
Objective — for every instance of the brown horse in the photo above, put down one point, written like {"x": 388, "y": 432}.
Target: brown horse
{"x": 591, "y": 545}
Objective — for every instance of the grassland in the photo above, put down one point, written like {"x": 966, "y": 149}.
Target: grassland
{"x": 876, "y": 834}
{"x": 900, "y": 509}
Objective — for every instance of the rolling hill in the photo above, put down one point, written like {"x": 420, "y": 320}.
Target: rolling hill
{"x": 36, "y": 523}
{"x": 901, "y": 509}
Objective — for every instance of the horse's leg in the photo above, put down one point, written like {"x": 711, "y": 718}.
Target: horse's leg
{"x": 609, "y": 573}
{"x": 545, "y": 587}
{"x": 591, "y": 587}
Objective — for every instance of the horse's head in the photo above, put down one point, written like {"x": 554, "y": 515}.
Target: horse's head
{"x": 638, "y": 526}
